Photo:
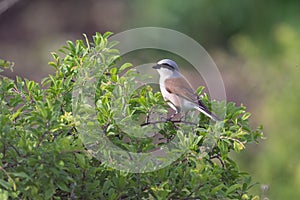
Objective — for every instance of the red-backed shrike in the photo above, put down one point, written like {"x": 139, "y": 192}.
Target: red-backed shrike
{"x": 177, "y": 90}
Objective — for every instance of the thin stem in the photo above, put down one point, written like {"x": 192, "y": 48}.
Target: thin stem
{"x": 219, "y": 158}
{"x": 174, "y": 122}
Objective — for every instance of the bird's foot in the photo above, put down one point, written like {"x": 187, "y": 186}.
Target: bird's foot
{"x": 169, "y": 119}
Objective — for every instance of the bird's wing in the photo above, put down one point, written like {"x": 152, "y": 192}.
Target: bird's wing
{"x": 182, "y": 88}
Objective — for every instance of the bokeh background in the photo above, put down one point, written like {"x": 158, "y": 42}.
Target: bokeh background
{"x": 255, "y": 44}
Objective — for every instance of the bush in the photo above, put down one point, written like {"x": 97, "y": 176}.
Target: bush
{"x": 44, "y": 156}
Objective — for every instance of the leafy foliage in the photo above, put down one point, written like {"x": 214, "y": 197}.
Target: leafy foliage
{"x": 43, "y": 155}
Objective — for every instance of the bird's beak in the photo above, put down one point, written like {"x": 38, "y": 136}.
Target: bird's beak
{"x": 156, "y": 67}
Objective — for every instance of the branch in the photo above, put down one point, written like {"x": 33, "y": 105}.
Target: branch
{"x": 219, "y": 158}
{"x": 164, "y": 121}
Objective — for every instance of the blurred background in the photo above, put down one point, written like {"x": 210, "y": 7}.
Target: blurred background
{"x": 254, "y": 43}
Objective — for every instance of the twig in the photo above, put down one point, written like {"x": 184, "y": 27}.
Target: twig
{"x": 9, "y": 177}
{"x": 233, "y": 139}
{"x": 174, "y": 122}
{"x": 218, "y": 157}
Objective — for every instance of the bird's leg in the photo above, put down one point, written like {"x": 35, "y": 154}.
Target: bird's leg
{"x": 173, "y": 116}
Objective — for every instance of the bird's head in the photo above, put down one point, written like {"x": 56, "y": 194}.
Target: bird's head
{"x": 166, "y": 67}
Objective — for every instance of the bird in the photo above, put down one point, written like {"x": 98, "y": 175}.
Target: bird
{"x": 177, "y": 90}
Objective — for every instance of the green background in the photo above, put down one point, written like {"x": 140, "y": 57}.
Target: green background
{"x": 254, "y": 43}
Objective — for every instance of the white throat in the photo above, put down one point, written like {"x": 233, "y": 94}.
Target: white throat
{"x": 167, "y": 73}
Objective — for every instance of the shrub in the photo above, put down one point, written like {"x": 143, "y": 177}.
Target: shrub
{"x": 44, "y": 156}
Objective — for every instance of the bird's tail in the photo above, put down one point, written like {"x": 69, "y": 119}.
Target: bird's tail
{"x": 209, "y": 114}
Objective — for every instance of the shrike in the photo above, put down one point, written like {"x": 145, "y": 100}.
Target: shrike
{"x": 177, "y": 90}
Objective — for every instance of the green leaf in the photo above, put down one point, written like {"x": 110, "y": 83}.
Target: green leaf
{"x": 29, "y": 84}
{"x": 81, "y": 160}
{"x": 125, "y": 66}
{"x": 3, "y": 194}
{"x": 217, "y": 188}
{"x": 49, "y": 191}
{"x": 233, "y": 188}
{"x": 246, "y": 116}
{"x": 199, "y": 90}
{"x": 113, "y": 71}
{"x": 238, "y": 146}
{"x": 6, "y": 64}
{"x": 5, "y": 184}
{"x": 16, "y": 114}
{"x": 107, "y": 34}
{"x": 255, "y": 198}
{"x": 21, "y": 175}
{"x": 71, "y": 46}
{"x": 63, "y": 186}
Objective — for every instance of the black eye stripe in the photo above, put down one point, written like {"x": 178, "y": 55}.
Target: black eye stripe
{"x": 165, "y": 65}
